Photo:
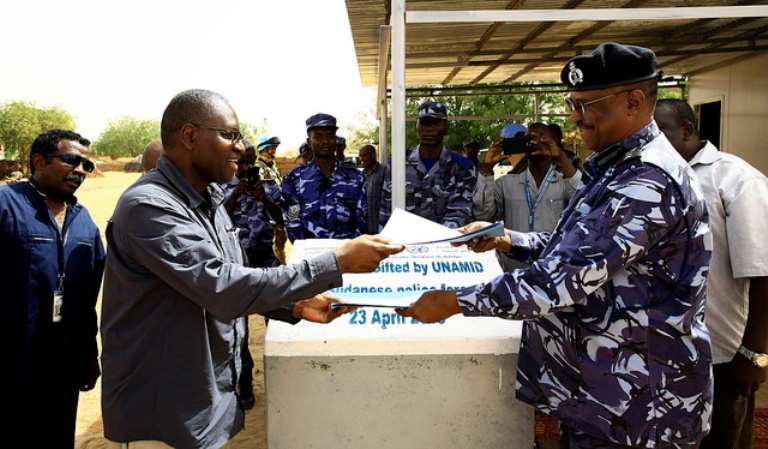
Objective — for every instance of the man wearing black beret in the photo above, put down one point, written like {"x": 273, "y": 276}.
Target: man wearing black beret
{"x": 614, "y": 343}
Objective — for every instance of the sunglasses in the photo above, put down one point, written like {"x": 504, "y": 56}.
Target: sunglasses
{"x": 580, "y": 107}
{"x": 232, "y": 135}
{"x": 73, "y": 161}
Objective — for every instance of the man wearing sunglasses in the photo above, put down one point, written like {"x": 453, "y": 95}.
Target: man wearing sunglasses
{"x": 52, "y": 261}
{"x": 614, "y": 342}
{"x": 176, "y": 288}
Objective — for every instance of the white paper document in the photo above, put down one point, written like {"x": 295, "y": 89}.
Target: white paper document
{"x": 392, "y": 300}
{"x": 405, "y": 228}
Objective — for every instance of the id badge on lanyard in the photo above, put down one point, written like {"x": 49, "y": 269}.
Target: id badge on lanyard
{"x": 58, "y": 299}
{"x": 58, "y": 294}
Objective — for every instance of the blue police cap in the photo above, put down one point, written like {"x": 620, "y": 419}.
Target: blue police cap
{"x": 303, "y": 150}
{"x": 321, "y": 120}
{"x": 433, "y": 109}
{"x": 609, "y": 65}
{"x": 341, "y": 141}
{"x": 512, "y": 130}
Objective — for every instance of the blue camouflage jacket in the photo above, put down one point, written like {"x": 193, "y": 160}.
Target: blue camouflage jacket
{"x": 318, "y": 207}
{"x": 443, "y": 194}
{"x": 614, "y": 343}
{"x": 253, "y": 224}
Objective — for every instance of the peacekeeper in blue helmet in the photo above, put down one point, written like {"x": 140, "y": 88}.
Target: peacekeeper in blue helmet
{"x": 438, "y": 182}
{"x": 324, "y": 198}
{"x": 267, "y": 148}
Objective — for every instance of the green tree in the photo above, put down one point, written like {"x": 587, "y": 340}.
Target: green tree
{"x": 489, "y": 113}
{"x": 253, "y": 133}
{"x": 21, "y": 122}
{"x": 363, "y": 131}
{"x": 126, "y": 137}
{"x": 473, "y": 102}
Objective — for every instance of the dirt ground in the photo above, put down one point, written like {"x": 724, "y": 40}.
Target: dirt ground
{"x": 99, "y": 195}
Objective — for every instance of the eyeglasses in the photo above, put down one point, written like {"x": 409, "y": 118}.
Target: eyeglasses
{"x": 232, "y": 135}
{"x": 73, "y": 161}
{"x": 579, "y": 106}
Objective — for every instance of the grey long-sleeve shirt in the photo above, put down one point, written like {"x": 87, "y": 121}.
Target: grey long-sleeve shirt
{"x": 174, "y": 287}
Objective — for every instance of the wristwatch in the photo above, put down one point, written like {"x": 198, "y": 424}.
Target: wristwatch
{"x": 758, "y": 358}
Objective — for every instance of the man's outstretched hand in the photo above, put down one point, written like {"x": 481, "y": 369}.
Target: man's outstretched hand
{"x": 363, "y": 254}
{"x": 433, "y": 306}
{"x": 318, "y": 309}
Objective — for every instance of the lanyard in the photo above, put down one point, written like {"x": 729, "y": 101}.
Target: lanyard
{"x": 532, "y": 206}
{"x": 58, "y": 294}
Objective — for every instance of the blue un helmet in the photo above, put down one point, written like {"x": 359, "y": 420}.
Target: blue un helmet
{"x": 266, "y": 142}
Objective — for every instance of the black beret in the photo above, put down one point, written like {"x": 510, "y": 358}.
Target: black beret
{"x": 609, "y": 65}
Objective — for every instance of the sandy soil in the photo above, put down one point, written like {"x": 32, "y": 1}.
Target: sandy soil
{"x": 99, "y": 195}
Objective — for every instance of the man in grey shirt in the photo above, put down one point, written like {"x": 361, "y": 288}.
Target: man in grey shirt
{"x": 175, "y": 286}
{"x": 533, "y": 199}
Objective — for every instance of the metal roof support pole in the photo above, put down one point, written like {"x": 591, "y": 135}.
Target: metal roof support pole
{"x": 397, "y": 21}
{"x": 593, "y": 14}
{"x": 385, "y": 35}
{"x": 383, "y": 133}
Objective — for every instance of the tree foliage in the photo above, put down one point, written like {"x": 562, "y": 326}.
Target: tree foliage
{"x": 474, "y": 105}
{"x": 364, "y": 131}
{"x": 126, "y": 137}
{"x": 253, "y": 133}
{"x": 21, "y": 122}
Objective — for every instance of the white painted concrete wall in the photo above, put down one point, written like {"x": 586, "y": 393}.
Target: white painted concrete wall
{"x": 372, "y": 379}
{"x": 743, "y": 89}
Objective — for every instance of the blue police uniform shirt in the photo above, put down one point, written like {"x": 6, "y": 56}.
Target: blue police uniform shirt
{"x": 253, "y": 224}
{"x": 316, "y": 206}
{"x": 442, "y": 193}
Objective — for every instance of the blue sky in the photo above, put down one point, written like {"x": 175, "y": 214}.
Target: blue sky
{"x": 104, "y": 59}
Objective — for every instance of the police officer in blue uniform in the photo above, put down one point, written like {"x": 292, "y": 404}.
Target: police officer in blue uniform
{"x": 438, "y": 182}
{"x": 324, "y": 198}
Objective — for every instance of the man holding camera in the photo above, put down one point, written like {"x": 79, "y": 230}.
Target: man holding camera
{"x": 533, "y": 199}
{"x": 252, "y": 213}
{"x": 249, "y": 203}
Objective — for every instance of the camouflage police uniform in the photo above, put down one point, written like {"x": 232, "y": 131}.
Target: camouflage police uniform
{"x": 614, "y": 343}
{"x": 443, "y": 194}
{"x": 269, "y": 171}
{"x": 254, "y": 225}
{"x": 316, "y": 206}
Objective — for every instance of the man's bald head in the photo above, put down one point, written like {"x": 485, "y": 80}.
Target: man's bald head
{"x": 151, "y": 154}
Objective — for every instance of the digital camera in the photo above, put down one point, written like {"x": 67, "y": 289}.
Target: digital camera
{"x": 252, "y": 175}
{"x": 520, "y": 144}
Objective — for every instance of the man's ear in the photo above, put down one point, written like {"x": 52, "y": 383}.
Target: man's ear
{"x": 188, "y": 135}
{"x": 687, "y": 130}
{"x": 635, "y": 101}
{"x": 38, "y": 161}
